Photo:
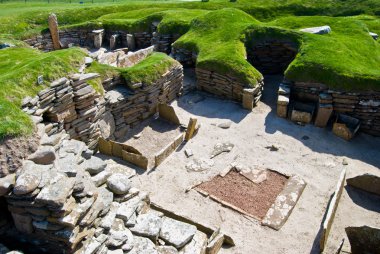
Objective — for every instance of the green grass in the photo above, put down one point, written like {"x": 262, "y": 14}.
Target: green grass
{"x": 19, "y": 69}
{"x": 348, "y": 58}
{"x": 148, "y": 70}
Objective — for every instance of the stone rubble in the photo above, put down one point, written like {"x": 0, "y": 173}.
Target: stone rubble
{"x": 79, "y": 215}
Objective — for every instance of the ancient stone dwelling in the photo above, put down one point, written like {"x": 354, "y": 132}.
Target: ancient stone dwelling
{"x": 58, "y": 194}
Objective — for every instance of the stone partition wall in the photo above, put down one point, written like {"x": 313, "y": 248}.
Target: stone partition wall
{"x": 271, "y": 56}
{"x": 364, "y": 105}
{"x": 186, "y": 57}
{"x": 228, "y": 87}
{"x": 71, "y": 104}
{"x": 129, "y": 107}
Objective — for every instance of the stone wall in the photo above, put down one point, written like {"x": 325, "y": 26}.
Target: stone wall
{"x": 129, "y": 106}
{"x": 66, "y": 200}
{"x": 271, "y": 56}
{"x": 228, "y": 87}
{"x": 71, "y": 105}
{"x": 163, "y": 42}
{"x": 186, "y": 57}
{"x": 364, "y": 106}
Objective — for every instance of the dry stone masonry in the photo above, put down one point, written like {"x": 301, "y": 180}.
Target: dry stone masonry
{"x": 363, "y": 106}
{"x": 70, "y": 201}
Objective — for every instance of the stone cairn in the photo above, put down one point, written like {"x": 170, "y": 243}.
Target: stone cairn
{"x": 65, "y": 200}
{"x": 131, "y": 105}
{"x": 364, "y": 106}
{"x": 72, "y": 105}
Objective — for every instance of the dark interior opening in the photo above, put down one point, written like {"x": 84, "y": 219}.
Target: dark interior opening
{"x": 271, "y": 56}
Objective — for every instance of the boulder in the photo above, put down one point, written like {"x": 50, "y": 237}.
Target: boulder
{"x": 44, "y": 155}
{"x": 119, "y": 183}
{"x": 221, "y": 148}
{"x": 176, "y": 233}
{"x": 94, "y": 165}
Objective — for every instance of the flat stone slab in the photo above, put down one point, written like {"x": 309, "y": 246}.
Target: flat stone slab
{"x": 148, "y": 225}
{"x": 284, "y": 203}
{"x": 196, "y": 245}
{"x": 366, "y": 182}
{"x": 176, "y": 233}
{"x": 317, "y": 30}
{"x": 56, "y": 193}
{"x": 143, "y": 245}
{"x": 283, "y": 100}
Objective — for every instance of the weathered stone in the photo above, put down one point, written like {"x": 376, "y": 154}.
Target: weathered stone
{"x": 56, "y": 193}
{"x": 366, "y": 182}
{"x": 199, "y": 165}
{"x": 119, "y": 234}
{"x": 44, "y": 155}
{"x": 108, "y": 220}
{"x": 143, "y": 245}
{"x": 148, "y": 225}
{"x": 68, "y": 164}
{"x": 215, "y": 242}
{"x": 225, "y": 125}
{"x": 301, "y": 116}
{"x": 101, "y": 178}
{"x": 45, "y": 225}
{"x": 107, "y": 125}
{"x": 27, "y": 182}
{"x": 94, "y": 165}
{"x": 196, "y": 245}
{"x": 188, "y": 152}
{"x": 99, "y": 208}
{"x": 128, "y": 208}
{"x": 53, "y": 27}
{"x": 167, "y": 250}
{"x": 317, "y": 30}
{"x": 23, "y": 223}
{"x": 221, "y": 148}
{"x": 284, "y": 203}
{"x": 6, "y": 183}
{"x": 176, "y": 233}
{"x": 119, "y": 183}
{"x": 190, "y": 128}
{"x": 95, "y": 244}
{"x": 363, "y": 239}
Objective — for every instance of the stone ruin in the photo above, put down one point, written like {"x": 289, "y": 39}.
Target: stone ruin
{"x": 66, "y": 200}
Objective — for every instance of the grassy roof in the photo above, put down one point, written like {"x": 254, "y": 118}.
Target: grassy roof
{"x": 148, "y": 70}
{"x": 348, "y": 58}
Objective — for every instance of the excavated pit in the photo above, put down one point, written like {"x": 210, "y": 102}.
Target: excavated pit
{"x": 238, "y": 190}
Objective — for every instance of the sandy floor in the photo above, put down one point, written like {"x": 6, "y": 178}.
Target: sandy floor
{"x": 152, "y": 136}
{"x": 314, "y": 154}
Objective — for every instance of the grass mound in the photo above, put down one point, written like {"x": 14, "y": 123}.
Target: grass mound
{"x": 19, "y": 69}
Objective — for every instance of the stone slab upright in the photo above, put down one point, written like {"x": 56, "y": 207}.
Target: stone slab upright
{"x": 98, "y": 38}
{"x": 325, "y": 109}
{"x": 131, "y": 43}
{"x": 53, "y": 27}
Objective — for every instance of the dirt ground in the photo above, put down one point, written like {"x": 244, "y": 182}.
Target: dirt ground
{"x": 236, "y": 189}
{"x": 313, "y": 153}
